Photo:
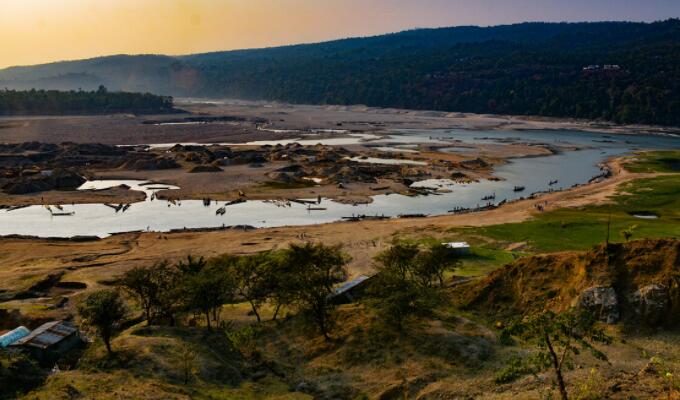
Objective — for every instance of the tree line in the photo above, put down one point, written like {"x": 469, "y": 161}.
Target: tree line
{"x": 504, "y": 74}
{"x": 299, "y": 279}
{"x": 101, "y": 101}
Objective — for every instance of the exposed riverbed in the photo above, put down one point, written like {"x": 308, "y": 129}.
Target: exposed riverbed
{"x": 536, "y": 174}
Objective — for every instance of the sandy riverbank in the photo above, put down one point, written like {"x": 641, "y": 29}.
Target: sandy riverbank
{"x": 266, "y": 121}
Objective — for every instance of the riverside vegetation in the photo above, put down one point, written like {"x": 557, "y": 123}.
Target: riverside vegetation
{"x": 101, "y": 101}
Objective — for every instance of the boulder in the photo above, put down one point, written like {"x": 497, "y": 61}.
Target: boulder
{"x": 147, "y": 164}
{"x": 602, "y": 302}
{"x": 650, "y": 304}
{"x": 280, "y": 177}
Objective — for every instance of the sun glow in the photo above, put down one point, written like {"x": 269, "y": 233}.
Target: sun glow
{"x": 37, "y": 31}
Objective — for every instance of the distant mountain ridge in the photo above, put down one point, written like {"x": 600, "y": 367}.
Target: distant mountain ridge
{"x": 529, "y": 68}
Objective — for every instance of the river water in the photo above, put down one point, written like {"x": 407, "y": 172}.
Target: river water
{"x": 568, "y": 168}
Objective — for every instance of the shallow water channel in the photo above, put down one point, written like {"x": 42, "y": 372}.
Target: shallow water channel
{"x": 567, "y": 168}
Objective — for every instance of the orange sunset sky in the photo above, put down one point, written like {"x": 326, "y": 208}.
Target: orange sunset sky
{"x": 38, "y": 31}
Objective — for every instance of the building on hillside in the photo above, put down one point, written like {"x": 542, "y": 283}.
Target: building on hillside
{"x": 50, "y": 341}
{"x": 350, "y": 291}
{"x": 460, "y": 248}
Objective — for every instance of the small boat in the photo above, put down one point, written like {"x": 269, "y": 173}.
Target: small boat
{"x": 231, "y": 203}
{"x": 221, "y": 211}
{"x": 412, "y": 215}
{"x": 310, "y": 208}
{"x": 489, "y": 197}
{"x": 304, "y": 202}
{"x": 553, "y": 182}
{"x": 63, "y": 214}
{"x": 519, "y": 188}
{"x": 19, "y": 207}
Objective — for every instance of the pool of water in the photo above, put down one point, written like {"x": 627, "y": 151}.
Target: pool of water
{"x": 568, "y": 168}
{"x": 386, "y": 161}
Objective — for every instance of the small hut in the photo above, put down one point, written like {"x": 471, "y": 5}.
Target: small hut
{"x": 50, "y": 341}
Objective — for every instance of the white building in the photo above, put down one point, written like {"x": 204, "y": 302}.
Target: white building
{"x": 462, "y": 248}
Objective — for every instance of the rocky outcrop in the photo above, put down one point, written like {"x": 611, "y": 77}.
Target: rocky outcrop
{"x": 280, "y": 177}
{"x": 650, "y": 304}
{"x": 56, "y": 180}
{"x": 152, "y": 164}
{"x": 602, "y": 303}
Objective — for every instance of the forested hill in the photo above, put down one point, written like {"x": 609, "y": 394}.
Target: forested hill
{"x": 531, "y": 68}
{"x": 52, "y": 102}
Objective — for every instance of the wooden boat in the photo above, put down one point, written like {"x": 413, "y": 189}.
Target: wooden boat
{"x": 63, "y": 214}
{"x": 239, "y": 201}
{"x": 412, "y": 215}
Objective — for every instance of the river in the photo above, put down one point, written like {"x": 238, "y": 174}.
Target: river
{"x": 567, "y": 168}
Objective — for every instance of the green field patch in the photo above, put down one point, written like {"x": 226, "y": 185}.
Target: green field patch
{"x": 581, "y": 228}
{"x": 655, "y": 161}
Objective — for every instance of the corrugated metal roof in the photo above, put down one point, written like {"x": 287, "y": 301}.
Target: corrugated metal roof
{"x": 349, "y": 285}
{"x": 47, "y": 335}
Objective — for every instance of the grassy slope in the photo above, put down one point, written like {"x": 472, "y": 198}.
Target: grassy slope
{"x": 578, "y": 229}
{"x": 656, "y": 161}
{"x": 148, "y": 364}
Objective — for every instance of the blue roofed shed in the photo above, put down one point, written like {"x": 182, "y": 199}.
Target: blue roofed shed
{"x": 50, "y": 341}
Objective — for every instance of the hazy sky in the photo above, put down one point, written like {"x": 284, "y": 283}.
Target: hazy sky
{"x": 37, "y": 31}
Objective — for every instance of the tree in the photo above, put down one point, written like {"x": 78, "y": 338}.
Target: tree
{"x": 188, "y": 362}
{"x": 317, "y": 268}
{"x": 560, "y": 337}
{"x": 628, "y": 232}
{"x": 282, "y": 281}
{"x": 138, "y": 282}
{"x": 252, "y": 280}
{"x": 207, "y": 290}
{"x": 432, "y": 264}
{"x": 19, "y": 374}
{"x": 404, "y": 285}
{"x": 103, "y": 310}
{"x": 191, "y": 265}
{"x": 155, "y": 289}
